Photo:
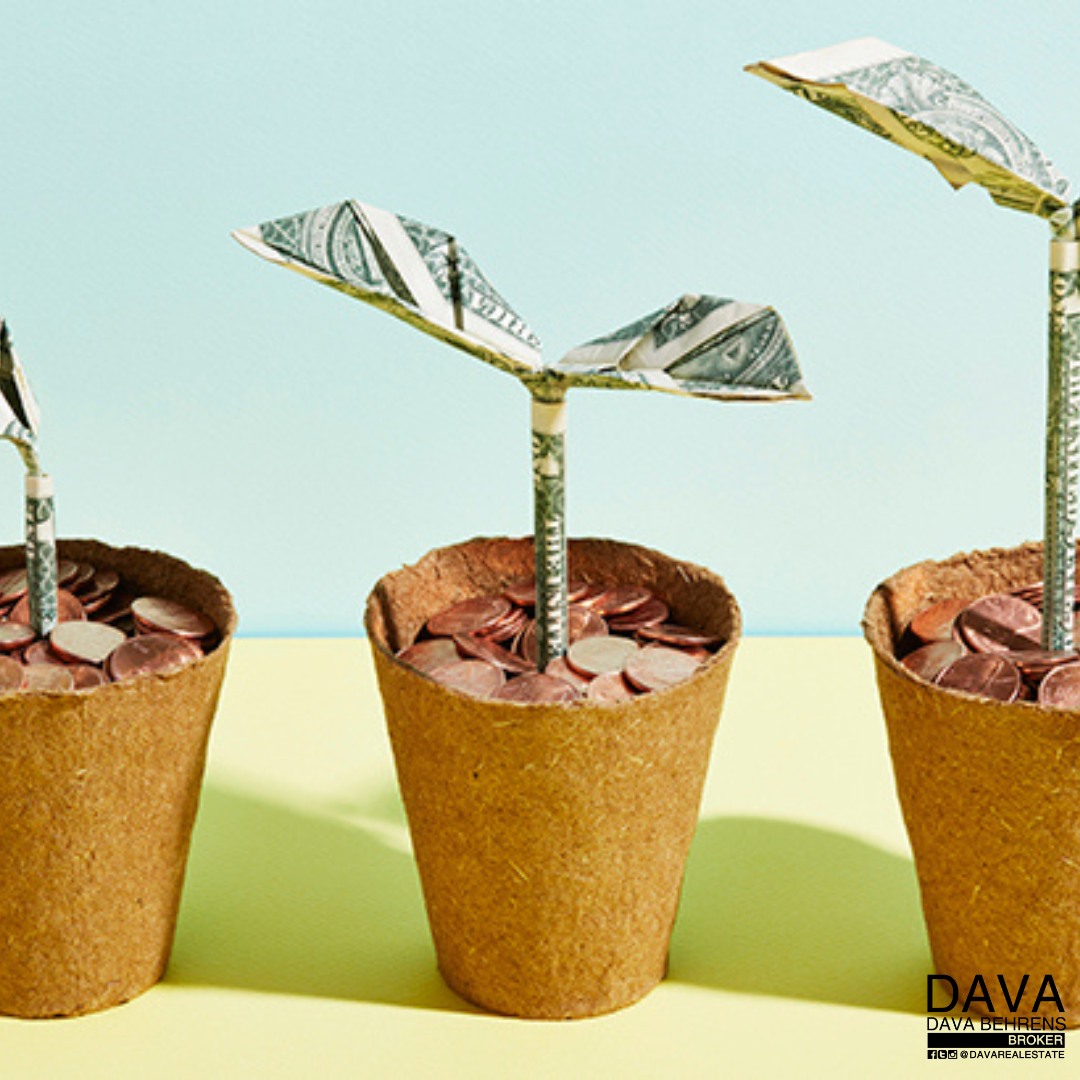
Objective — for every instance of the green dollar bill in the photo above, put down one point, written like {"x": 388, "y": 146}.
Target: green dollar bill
{"x": 549, "y": 531}
{"x": 19, "y": 413}
{"x": 929, "y": 111}
{"x": 935, "y": 114}
{"x": 415, "y": 271}
{"x": 704, "y": 346}
{"x": 41, "y": 570}
{"x": 1062, "y": 445}
{"x": 20, "y": 417}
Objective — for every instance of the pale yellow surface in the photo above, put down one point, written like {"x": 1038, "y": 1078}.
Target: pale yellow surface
{"x": 303, "y": 951}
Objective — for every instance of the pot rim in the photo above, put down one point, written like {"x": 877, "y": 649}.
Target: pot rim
{"x": 884, "y": 651}
{"x": 723, "y": 655}
{"x": 12, "y": 555}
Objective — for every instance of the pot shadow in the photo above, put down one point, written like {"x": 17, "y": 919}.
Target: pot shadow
{"x": 325, "y": 902}
{"x": 289, "y": 900}
{"x": 790, "y": 910}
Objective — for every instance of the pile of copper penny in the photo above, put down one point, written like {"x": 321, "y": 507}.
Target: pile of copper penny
{"x": 106, "y": 632}
{"x": 991, "y": 647}
{"x": 621, "y": 644}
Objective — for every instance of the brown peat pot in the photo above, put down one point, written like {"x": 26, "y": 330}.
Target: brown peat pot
{"x": 990, "y": 795}
{"x": 98, "y": 794}
{"x": 550, "y": 838}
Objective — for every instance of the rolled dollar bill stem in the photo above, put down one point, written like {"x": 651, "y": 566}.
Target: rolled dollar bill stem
{"x": 41, "y": 552}
{"x": 1062, "y": 435}
{"x": 549, "y": 515}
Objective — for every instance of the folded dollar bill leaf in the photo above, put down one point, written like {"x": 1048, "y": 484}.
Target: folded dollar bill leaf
{"x": 19, "y": 414}
{"x": 929, "y": 111}
{"x": 414, "y": 271}
{"x": 699, "y": 345}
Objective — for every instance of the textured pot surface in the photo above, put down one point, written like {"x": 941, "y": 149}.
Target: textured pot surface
{"x": 98, "y": 794}
{"x": 990, "y": 795}
{"x": 550, "y": 839}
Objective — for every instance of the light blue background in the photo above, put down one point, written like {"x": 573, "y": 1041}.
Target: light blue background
{"x": 598, "y": 160}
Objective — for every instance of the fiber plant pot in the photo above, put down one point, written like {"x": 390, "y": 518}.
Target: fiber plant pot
{"x": 550, "y": 838}
{"x": 98, "y": 793}
{"x": 990, "y": 795}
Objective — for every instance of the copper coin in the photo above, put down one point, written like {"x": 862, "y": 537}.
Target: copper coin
{"x": 66, "y": 571}
{"x": 611, "y": 686}
{"x": 13, "y": 585}
{"x": 507, "y": 628}
{"x": 40, "y": 653}
{"x": 651, "y": 613}
{"x": 1061, "y": 688}
{"x": 620, "y": 600}
{"x": 113, "y": 608}
{"x": 580, "y": 623}
{"x": 469, "y": 616}
{"x": 538, "y": 688}
{"x": 11, "y": 673}
{"x": 473, "y": 677}
{"x": 151, "y": 654}
{"x": 523, "y": 591}
{"x": 1035, "y": 664}
{"x": 1000, "y": 623}
{"x": 929, "y": 661}
{"x": 47, "y": 677}
{"x": 593, "y": 656}
{"x": 674, "y": 634}
{"x": 101, "y": 586}
{"x": 1033, "y": 594}
{"x": 526, "y": 644}
{"x": 428, "y": 655}
{"x": 68, "y": 608}
{"x": 480, "y": 648}
{"x": 698, "y": 652}
{"x": 87, "y": 677}
{"x": 658, "y": 667}
{"x": 984, "y": 675}
{"x": 83, "y": 576}
{"x": 935, "y": 623}
{"x": 518, "y": 644}
{"x": 15, "y": 635}
{"x": 159, "y": 614}
{"x": 562, "y": 670}
{"x": 584, "y": 623}
{"x": 93, "y": 604}
{"x": 1030, "y": 594}
{"x": 591, "y": 594}
{"x": 85, "y": 642}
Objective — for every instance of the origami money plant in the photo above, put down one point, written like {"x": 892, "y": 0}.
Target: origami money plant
{"x": 931, "y": 112}
{"x": 702, "y": 346}
{"x": 19, "y": 415}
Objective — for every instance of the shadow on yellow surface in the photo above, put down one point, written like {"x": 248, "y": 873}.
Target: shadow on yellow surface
{"x": 791, "y": 910}
{"x": 305, "y": 901}
{"x": 282, "y": 899}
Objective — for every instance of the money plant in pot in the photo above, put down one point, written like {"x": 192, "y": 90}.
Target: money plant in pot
{"x": 111, "y": 662}
{"x": 551, "y": 704}
{"x": 975, "y": 655}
